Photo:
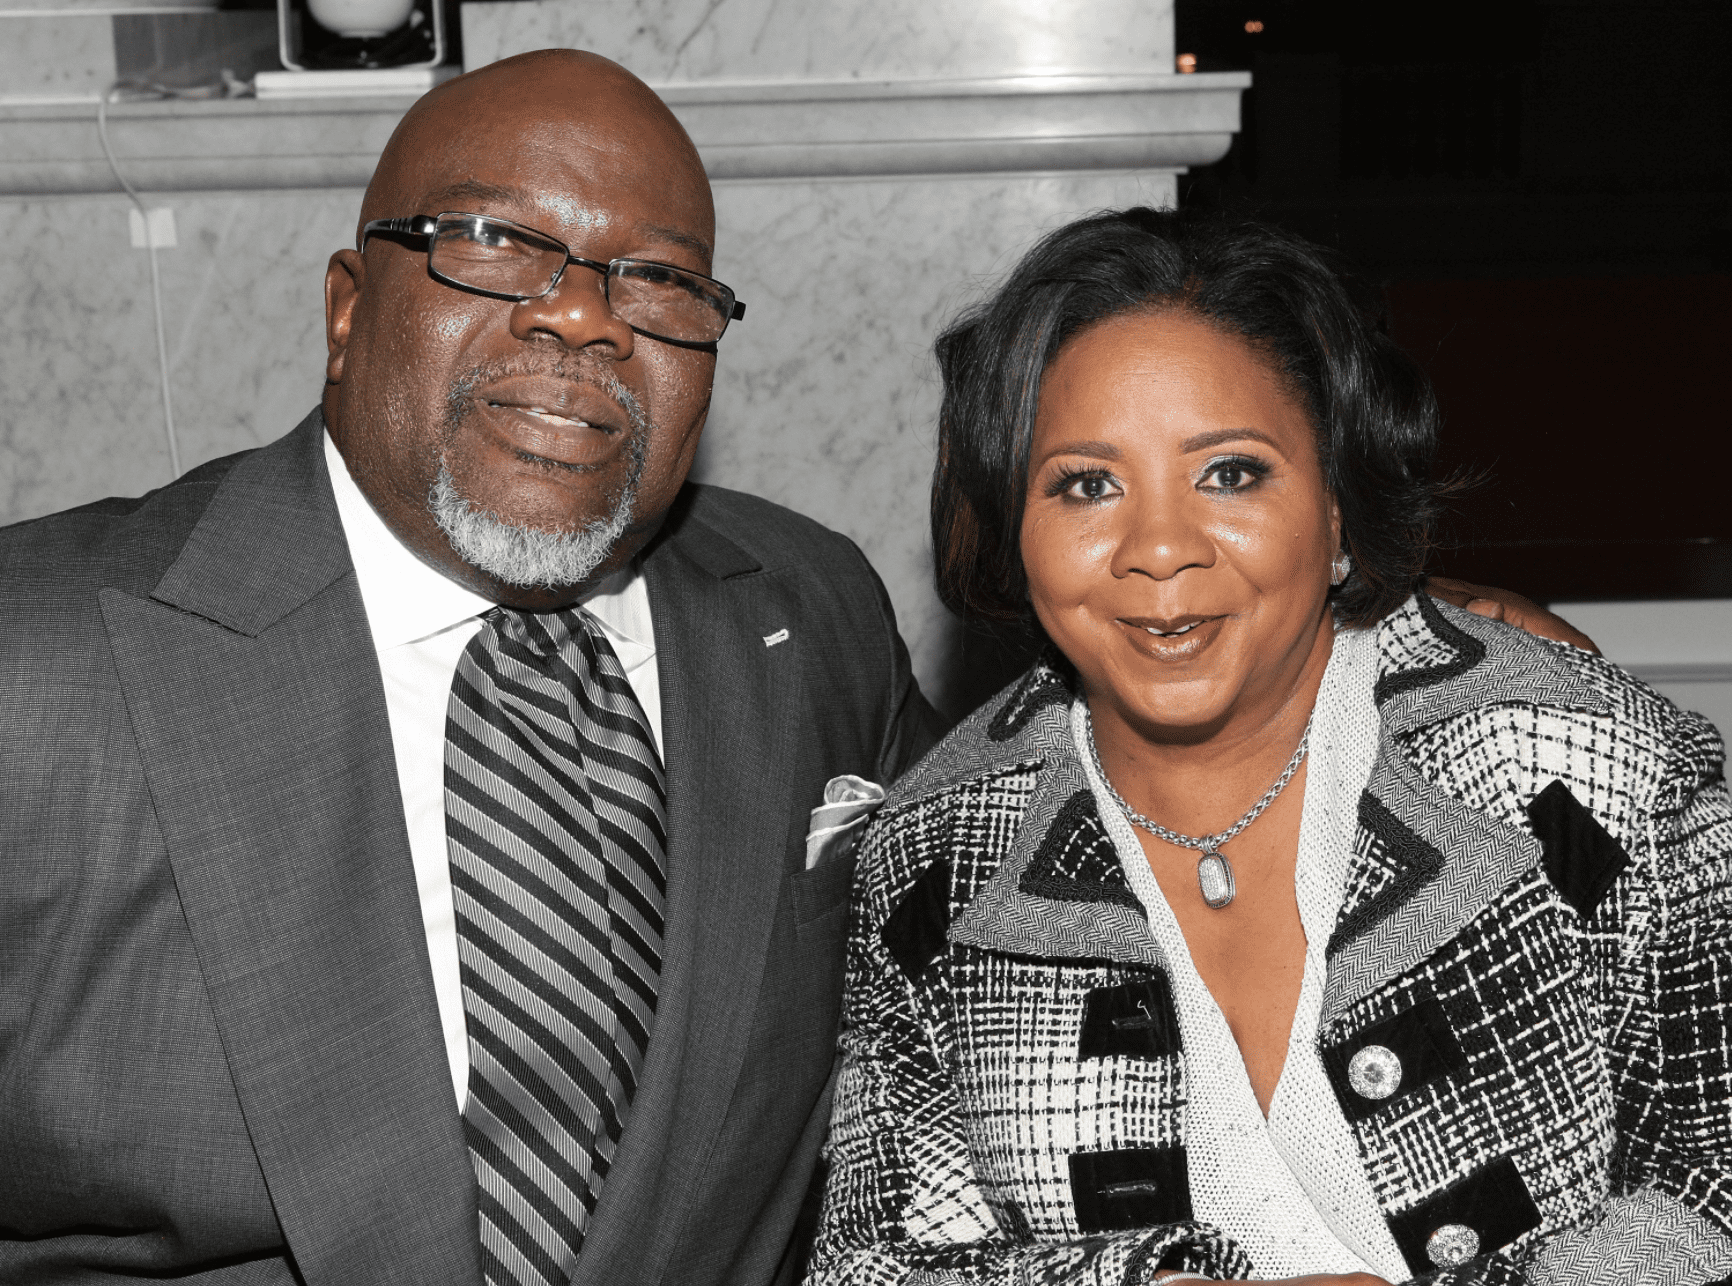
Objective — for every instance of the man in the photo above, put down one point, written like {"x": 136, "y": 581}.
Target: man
{"x": 402, "y": 826}
{"x": 286, "y": 993}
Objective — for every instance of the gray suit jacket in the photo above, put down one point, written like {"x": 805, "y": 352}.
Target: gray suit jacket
{"x": 219, "y": 1049}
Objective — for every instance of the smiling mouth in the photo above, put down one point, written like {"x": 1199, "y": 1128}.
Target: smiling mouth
{"x": 1168, "y": 627}
{"x": 1180, "y": 637}
{"x": 547, "y": 417}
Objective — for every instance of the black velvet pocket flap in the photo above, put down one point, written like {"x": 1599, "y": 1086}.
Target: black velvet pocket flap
{"x": 1581, "y": 857}
{"x": 1493, "y": 1203}
{"x": 1134, "y": 1188}
{"x": 1420, "y": 1040}
{"x": 1137, "y": 1019}
{"x": 915, "y": 933}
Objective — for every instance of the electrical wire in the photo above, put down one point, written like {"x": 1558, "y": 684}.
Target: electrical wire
{"x": 155, "y": 275}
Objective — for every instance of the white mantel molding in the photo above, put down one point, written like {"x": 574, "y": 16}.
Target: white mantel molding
{"x": 770, "y": 130}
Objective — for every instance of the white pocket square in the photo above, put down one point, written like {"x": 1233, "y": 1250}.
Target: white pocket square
{"x": 849, "y": 803}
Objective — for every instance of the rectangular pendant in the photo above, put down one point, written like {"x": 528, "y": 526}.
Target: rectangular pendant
{"x": 1215, "y": 878}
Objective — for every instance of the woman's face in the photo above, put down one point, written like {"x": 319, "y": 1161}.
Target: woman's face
{"x": 1178, "y": 535}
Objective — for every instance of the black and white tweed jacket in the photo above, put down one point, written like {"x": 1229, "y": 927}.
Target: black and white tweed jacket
{"x": 1535, "y": 923}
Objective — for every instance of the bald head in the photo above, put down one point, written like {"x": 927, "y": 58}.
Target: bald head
{"x": 525, "y": 445}
{"x": 534, "y": 103}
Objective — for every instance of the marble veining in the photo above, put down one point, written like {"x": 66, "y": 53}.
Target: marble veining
{"x": 678, "y": 41}
{"x": 81, "y": 417}
{"x": 45, "y": 58}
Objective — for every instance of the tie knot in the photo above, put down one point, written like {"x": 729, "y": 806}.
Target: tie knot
{"x": 547, "y": 634}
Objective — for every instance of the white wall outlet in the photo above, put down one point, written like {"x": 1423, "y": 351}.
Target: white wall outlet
{"x": 161, "y": 233}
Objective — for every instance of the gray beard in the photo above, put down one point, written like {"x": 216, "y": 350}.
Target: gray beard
{"x": 528, "y": 557}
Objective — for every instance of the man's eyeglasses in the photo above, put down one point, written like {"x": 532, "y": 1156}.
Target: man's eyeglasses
{"x": 505, "y": 260}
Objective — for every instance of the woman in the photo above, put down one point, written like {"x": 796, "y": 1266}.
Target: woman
{"x": 1280, "y": 924}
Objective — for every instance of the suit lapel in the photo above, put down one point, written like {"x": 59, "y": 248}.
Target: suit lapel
{"x": 1424, "y": 863}
{"x": 255, "y": 696}
{"x": 731, "y": 722}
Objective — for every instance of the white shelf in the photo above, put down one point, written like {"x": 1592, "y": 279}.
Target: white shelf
{"x": 755, "y": 131}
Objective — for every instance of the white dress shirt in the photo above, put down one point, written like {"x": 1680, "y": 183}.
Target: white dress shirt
{"x": 421, "y": 621}
{"x": 1290, "y": 1189}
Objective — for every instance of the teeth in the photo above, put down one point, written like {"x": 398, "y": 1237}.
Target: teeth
{"x": 1172, "y": 634}
{"x": 542, "y": 413}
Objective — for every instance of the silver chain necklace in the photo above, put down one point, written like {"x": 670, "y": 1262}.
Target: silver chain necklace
{"x": 1214, "y": 871}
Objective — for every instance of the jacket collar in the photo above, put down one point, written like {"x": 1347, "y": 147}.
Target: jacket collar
{"x": 1026, "y": 724}
{"x": 269, "y": 541}
{"x": 1424, "y": 865}
{"x": 1060, "y": 891}
{"x": 1436, "y": 661}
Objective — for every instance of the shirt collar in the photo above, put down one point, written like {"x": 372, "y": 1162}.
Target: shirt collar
{"x": 407, "y": 600}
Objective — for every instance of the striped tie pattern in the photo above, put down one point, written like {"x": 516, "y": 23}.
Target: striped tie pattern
{"x": 555, "y": 811}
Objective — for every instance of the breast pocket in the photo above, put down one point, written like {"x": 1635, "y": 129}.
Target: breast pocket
{"x": 809, "y": 962}
{"x": 821, "y": 896}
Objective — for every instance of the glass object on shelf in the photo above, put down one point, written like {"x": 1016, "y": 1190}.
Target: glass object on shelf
{"x": 361, "y": 19}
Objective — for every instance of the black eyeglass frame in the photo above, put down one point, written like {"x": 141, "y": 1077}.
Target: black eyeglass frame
{"x": 423, "y": 226}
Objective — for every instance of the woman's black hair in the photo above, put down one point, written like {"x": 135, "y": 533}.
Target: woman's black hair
{"x": 1319, "y": 327}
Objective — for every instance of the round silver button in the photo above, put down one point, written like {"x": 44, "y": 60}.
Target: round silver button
{"x": 1452, "y": 1245}
{"x": 1374, "y": 1072}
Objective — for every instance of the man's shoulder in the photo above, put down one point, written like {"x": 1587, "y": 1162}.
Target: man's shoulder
{"x": 771, "y": 534}
{"x": 125, "y": 542}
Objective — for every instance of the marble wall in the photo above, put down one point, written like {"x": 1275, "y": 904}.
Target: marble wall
{"x": 242, "y": 296}
{"x": 685, "y": 41}
{"x": 45, "y": 55}
{"x": 826, "y": 395}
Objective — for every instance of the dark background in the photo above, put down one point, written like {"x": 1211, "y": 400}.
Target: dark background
{"x": 1542, "y": 185}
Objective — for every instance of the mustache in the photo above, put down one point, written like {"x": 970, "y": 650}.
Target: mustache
{"x": 575, "y": 368}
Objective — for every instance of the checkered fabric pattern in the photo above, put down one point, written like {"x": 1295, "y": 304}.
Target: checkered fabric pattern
{"x": 1597, "y": 1048}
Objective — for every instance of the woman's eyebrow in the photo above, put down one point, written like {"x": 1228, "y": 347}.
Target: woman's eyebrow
{"x": 1215, "y": 437}
{"x": 1099, "y": 450}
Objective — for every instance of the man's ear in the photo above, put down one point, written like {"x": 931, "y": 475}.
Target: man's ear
{"x": 344, "y": 278}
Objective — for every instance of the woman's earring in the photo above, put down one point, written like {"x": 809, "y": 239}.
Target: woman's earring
{"x": 1341, "y": 567}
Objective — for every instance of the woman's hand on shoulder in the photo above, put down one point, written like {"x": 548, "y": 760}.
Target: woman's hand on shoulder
{"x": 1509, "y": 607}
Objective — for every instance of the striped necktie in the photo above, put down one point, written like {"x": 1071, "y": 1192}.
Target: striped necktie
{"x": 555, "y": 812}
